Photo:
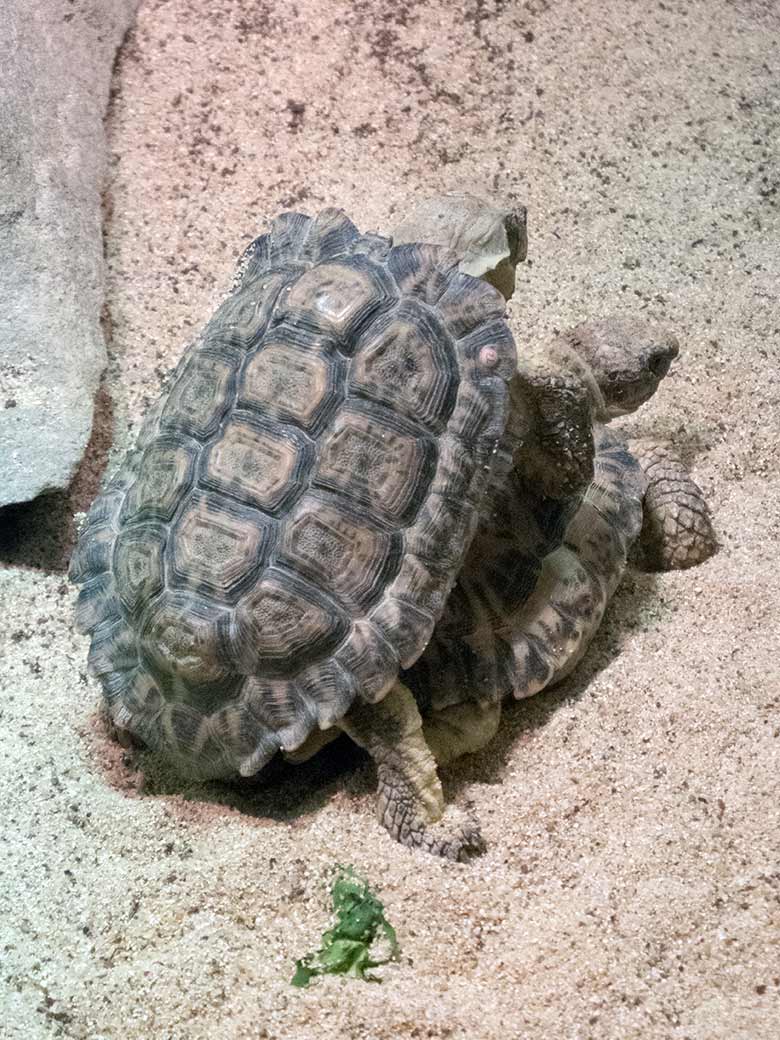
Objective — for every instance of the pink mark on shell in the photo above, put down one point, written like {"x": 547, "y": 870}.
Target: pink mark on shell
{"x": 488, "y": 357}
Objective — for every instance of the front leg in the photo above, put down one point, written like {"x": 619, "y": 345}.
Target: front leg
{"x": 677, "y": 530}
{"x": 410, "y": 801}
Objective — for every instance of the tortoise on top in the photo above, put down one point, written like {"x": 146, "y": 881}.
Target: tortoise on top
{"x": 285, "y": 533}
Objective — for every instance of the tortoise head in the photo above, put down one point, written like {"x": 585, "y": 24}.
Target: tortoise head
{"x": 488, "y": 240}
{"x": 628, "y": 358}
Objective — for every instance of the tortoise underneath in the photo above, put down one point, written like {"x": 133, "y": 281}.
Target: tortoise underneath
{"x": 285, "y": 536}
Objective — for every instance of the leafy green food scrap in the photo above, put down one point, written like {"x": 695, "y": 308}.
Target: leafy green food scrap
{"x": 361, "y": 938}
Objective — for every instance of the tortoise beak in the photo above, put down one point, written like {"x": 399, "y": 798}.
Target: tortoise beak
{"x": 661, "y": 357}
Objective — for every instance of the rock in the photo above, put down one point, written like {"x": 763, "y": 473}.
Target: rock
{"x": 55, "y": 71}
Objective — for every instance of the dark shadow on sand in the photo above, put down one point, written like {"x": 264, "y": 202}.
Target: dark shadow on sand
{"x": 41, "y": 535}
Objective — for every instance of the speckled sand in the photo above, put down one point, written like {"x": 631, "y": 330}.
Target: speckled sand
{"x": 631, "y": 885}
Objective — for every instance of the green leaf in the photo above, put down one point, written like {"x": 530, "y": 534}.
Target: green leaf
{"x": 346, "y": 947}
{"x": 302, "y": 975}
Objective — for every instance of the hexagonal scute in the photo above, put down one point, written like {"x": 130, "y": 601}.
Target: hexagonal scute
{"x": 336, "y": 298}
{"x": 200, "y": 395}
{"x": 469, "y": 303}
{"x": 183, "y": 635}
{"x": 421, "y": 270}
{"x": 265, "y": 466}
{"x": 284, "y": 623}
{"x": 216, "y": 551}
{"x": 138, "y": 565}
{"x": 340, "y": 553}
{"x": 164, "y": 475}
{"x": 291, "y": 382}
{"x": 378, "y": 466}
{"x": 407, "y": 360}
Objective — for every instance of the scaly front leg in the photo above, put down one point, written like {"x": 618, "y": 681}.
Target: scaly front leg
{"x": 677, "y": 530}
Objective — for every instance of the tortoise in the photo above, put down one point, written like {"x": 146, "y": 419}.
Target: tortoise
{"x": 218, "y": 707}
{"x": 283, "y": 536}
{"x": 522, "y": 614}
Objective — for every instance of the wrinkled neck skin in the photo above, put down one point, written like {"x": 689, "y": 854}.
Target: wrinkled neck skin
{"x": 565, "y": 390}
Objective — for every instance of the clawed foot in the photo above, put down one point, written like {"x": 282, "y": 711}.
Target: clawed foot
{"x": 410, "y": 801}
{"x": 455, "y": 836}
{"x": 677, "y": 531}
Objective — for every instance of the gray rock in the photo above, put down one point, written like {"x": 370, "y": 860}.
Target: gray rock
{"x": 55, "y": 72}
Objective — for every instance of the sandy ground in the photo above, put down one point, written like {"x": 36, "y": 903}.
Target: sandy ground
{"x": 632, "y": 879}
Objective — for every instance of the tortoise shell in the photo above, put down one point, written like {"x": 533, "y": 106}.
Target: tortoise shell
{"x": 510, "y": 628}
{"x": 285, "y": 533}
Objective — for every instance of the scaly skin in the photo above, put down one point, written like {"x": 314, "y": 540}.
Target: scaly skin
{"x": 410, "y": 802}
{"x": 677, "y": 531}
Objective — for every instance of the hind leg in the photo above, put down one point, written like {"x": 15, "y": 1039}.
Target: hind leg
{"x": 677, "y": 531}
{"x": 461, "y": 729}
{"x": 410, "y": 801}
